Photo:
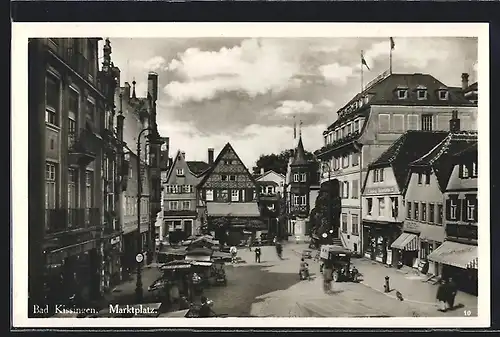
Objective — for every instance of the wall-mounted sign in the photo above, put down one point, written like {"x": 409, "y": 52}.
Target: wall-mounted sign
{"x": 114, "y": 240}
{"x": 380, "y": 190}
{"x": 413, "y": 226}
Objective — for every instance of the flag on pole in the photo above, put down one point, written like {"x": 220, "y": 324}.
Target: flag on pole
{"x": 294, "y": 128}
{"x": 363, "y": 61}
{"x": 300, "y": 128}
{"x": 392, "y": 43}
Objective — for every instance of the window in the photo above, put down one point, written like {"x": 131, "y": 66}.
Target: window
{"x": 422, "y": 94}
{"x": 354, "y": 224}
{"x": 180, "y": 172}
{"x": 355, "y": 189}
{"x": 394, "y": 207}
{"x": 423, "y": 215}
{"x": 337, "y": 134}
{"x": 232, "y": 178}
{"x": 408, "y": 210}
{"x": 344, "y": 223}
{"x": 270, "y": 189}
{"x": 187, "y": 188}
{"x": 92, "y": 59}
{"x": 52, "y": 99}
{"x": 471, "y": 206}
{"x": 223, "y": 195}
{"x": 356, "y": 126}
{"x": 73, "y": 104}
{"x": 89, "y": 188}
{"x": 50, "y": 185}
{"x": 223, "y": 177}
{"x": 381, "y": 174}
{"x": 295, "y": 177}
{"x": 71, "y": 130}
{"x": 173, "y": 205}
{"x": 355, "y": 159}
{"x": 427, "y": 122}
{"x": 296, "y": 200}
{"x": 303, "y": 177}
{"x": 381, "y": 206}
{"x": 369, "y": 205}
{"x": 325, "y": 140}
{"x": 420, "y": 178}
{"x": 398, "y": 123}
{"x": 378, "y": 175}
{"x": 415, "y": 210}
{"x": 186, "y": 205}
{"x": 72, "y": 188}
{"x": 384, "y": 122}
{"x": 402, "y": 93}
{"x": 337, "y": 164}
{"x": 427, "y": 178}
{"x": 453, "y": 208}
{"x": 345, "y": 189}
{"x": 345, "y": 161}
{"x": 209, "y": 195}
{"x": 443, "y": 95}
{"x": 474, "y": 169}
{"x": 90, "y": 110}
{"x": 344, "y": 131}
{"x": 412, "y": 122}
{"x": 235, "y": 195}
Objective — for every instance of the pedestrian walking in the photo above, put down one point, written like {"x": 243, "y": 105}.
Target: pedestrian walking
{"x": 257, "y": 254}
{"x": 234, "y": 251}
{"x": 442, "y": 295}
{"x": 452, "y": 292}
{"x": 327, "y": 277}
{"x": 250, "y": 244}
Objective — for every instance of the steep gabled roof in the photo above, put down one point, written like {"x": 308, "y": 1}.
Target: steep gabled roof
{"x": 258, "y": 177}
{"x": 197, "y": 167}
{"x": 409, "y": 147}
{"x": 441, "y": 157}
{"x": 299, "y": 157}
{"x": 221, "y": 154}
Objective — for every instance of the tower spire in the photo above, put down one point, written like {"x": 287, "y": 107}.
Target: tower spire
{"x": 133, "y": 88}
{"x": 300, "y": 129}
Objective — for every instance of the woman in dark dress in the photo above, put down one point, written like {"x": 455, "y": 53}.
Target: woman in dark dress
{"x": 442, "y": 295}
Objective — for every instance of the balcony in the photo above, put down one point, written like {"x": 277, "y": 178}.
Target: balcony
{"x": 337, "y": 144}
{"x": 82, "y": 147}
{"x": 61, "y": 220}
{"x": 463, "y": 232}
{"x": 300, "y": 210}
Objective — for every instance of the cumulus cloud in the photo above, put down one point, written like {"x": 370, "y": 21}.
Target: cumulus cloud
{"x": 326, "y": 103}
{"x": 254, "y": 67}
{"x": 156, "y": 63}
{"x": 336, "y": 73}
{"x": 294, "y": 107}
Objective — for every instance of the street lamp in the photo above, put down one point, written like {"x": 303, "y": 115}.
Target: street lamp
{"x": 138, "y": 284}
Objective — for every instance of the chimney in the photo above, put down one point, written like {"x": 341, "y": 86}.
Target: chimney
{"x": 465, "y": 81}
{"x": 454, "y": 122}
{"x": 262, "y": 171}
{"x": 153, "y": 85}
{"x": 210, "y": 156}
{"x": 126, "y": 91}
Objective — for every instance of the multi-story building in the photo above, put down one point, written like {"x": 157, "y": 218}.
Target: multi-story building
{"x": 271, "y": 186}
{"x": 470, "y": 92}
{"x": 373, "y": 119}
{"x": 458, "y": 254}
{"x": 424, "y": 198}
{"x": 180, "y": 214}
{"x": 383, "y": 190}
{"x": 72, "y": 170}
{"x": 165, "y": 164}
{"x": 228, "y": 198}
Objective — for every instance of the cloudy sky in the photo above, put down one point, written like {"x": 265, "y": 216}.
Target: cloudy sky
{"x": 246, "y": 90}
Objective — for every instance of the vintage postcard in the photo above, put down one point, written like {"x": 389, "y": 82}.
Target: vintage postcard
{"x": 264, "y": 175}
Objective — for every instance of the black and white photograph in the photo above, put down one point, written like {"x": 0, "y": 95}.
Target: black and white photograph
{"x": 266, "y": 175}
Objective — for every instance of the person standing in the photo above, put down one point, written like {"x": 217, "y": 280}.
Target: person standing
{"x": 441, "y": 295}
{"x": 452, "y": 292}
{"x": 257, "y": 254}
{"x": 234, "y": 251}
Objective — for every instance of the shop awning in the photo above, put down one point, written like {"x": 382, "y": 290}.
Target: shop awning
{"x": 406, "y": 241}
{"x": 455, "y": 254}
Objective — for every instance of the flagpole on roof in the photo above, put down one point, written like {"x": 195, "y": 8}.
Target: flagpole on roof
{"x": 361, "y": 64}
{"x": 391, "y": 41}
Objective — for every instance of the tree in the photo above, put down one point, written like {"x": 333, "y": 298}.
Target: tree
{"x": 276, "y": 162}
{"x": 327, "y": 208}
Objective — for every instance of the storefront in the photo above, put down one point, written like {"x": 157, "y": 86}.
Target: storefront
{"x": 405, "y": 249}
{"x": 459, "y": 261}
{"x": 129, "y": 251}
{"x": 112, "y": 271}
{"x": 379, "y": 237}
{"x": 430, "y": 236}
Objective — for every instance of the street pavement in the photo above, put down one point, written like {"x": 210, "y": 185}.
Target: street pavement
{"x": 272, "y": 289}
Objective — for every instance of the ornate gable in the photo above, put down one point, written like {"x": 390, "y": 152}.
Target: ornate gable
{"x": 228, "y": 172}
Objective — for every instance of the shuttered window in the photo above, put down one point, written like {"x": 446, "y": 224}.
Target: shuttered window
{"x": 384, "y": 122}
{"x": 412, "y": 122}
{"x": 398, "y": 123}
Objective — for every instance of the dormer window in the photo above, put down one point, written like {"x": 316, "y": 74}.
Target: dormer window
{"x": 402, "y": 93}
{"x": 180, "y": 172}
{"x": 421, "y": 93}
{"x": 443, "y": 95}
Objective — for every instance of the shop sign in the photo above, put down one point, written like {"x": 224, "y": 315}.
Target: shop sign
{"x": 381, "y": 190}
{"x": 114, "y": 240}
{"x": 412, "y": 225}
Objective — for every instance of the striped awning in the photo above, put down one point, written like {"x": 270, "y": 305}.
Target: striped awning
{"x": 406, "y": 241}
{"x": 455, "y": 254}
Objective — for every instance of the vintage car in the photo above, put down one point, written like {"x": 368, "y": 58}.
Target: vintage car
{"x": 339, "y": 259}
